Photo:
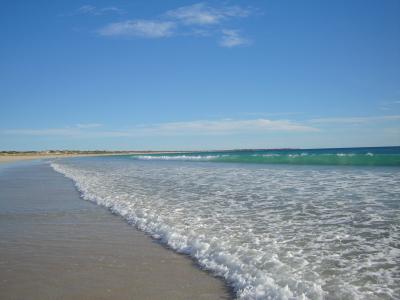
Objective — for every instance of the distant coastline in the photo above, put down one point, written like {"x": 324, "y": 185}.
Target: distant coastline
{"x": 10, "y": 156}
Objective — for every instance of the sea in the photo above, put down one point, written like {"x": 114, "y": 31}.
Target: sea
{"x": 274, "y": 224}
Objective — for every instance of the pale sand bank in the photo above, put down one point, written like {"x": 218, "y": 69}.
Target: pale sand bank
{"x": 12, "y": 158}
{"x": 18, "y": 157}
{"x": 54, "y": 245}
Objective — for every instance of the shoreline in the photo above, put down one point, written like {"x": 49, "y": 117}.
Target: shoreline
{"x": 18, "y": 157}
{"x": 8, "y": 158}
{"x": 55, "y": 245}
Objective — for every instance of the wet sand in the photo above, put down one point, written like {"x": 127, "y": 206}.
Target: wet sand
{"x": 54, "y": 245}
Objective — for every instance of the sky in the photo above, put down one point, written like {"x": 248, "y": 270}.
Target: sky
{"x": 189, "y": 75}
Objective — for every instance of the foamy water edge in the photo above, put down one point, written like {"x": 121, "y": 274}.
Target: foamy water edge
{"x": 246, "y": 286}
{"x": 239, "y": 266}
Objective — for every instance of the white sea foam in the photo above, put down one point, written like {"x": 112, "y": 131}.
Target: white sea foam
{"x": 345, "y": 154}
{"x": 272, "y": 233}
{"x": 176, "y": 157}
{"x": 268, "y": 155}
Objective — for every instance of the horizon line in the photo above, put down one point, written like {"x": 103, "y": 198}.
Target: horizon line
{"x": 192, "y": 150}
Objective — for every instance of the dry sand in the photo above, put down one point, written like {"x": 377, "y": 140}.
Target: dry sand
{"x": 17, "y": 157}
{"x": 54, "y": 245}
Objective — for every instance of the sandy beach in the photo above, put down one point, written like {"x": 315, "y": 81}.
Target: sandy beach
{"x": 18, "y": 157}
{"x": 54, "y": 245}
{"x": 12, "y": 158}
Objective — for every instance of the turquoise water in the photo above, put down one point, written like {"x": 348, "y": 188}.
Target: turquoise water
{"x": 368, "y": 156}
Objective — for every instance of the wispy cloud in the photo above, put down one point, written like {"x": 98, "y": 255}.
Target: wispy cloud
{"x": 88, "y": 125}
{"x": 72, "y": 132}
{"x": 275, "y": 114}
{"x": 356, "y": 120}
{"x": 232, "y": 38}
{"x": 76, "y": 130}
{"x": 96, "y": 11}
{"x": 202, "y": 14}
{"x": 201, "y": 127}
{"x": 43, "y": 132}
{"x": 198, "y": 20}
{"x": 139, "y": 28}
{"x": 227, "y": 126}
{"x": 389, "y": 105}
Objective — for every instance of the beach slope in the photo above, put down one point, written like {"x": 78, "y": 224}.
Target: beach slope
{"x": 54, "y": 245}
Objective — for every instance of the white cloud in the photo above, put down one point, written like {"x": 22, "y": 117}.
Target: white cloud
{"x": 197, "y": 128}
{"x": 201, "y": 14}
{"x": 226, "y": 126}
{"x": 43, "y": 132}
{"x": 202, "y": 127}
{"x": 139, "y": 28}
{"x": 232, "y": 38}
{"x": 73, "y": 132}
{"x": 78, "y": 129}
{"x": 348, "y": 120}
{"x": 198, "y": 20}
{"x": 87, "y": 9}
{"x": 93, "y": 10}
{"x": 88, "y": 125}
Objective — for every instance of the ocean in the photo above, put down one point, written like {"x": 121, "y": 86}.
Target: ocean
{"x": 275, "y": 224}
{"x": 368, "y": 156}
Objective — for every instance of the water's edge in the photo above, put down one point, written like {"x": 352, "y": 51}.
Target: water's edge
{"x": 194, "y": 209}
{"x": 162, "y": 241}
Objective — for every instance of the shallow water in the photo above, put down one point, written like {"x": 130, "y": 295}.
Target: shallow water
{"x": 273, "y": 232}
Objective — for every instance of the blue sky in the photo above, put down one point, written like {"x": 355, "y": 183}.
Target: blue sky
{"x": 199, "y": 75}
